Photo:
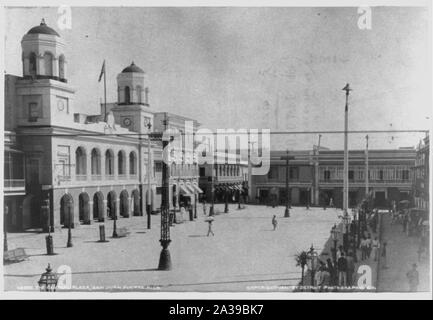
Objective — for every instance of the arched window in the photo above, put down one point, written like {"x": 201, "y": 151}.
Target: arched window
{"x": 127, "y": 95}
{"x": 62, "y": 67}
{"x": 32, "y": 64}
{"x": 139, "y": 91}
{"x": 96, "y": 162}
{"x": 132, "y": 163}
{"x": 121, "y": 163}
{"x": 48, "y": 63}
{"x": 109, "y": 162}
{"x": 80, "y": 161}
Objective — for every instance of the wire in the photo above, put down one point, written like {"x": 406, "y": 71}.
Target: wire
{"x": 213, "y": 133}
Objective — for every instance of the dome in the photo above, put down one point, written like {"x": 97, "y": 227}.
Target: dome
{"x": 132, "y": 68}
{"x": 43, "y": 29}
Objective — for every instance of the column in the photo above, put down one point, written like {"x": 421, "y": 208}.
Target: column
{"x": 117, "y": 205}
{"x": 104, "y": 211}
{"x": 90, "y": 211}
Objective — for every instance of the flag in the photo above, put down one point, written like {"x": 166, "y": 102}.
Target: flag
{"x": 102, "y": 72}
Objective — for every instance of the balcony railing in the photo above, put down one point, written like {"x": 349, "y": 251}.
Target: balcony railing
{"x": 110, "y": 177}
{"x": 363, "y": 181}
{"x": 81, "y": 177}
{"x": 122, "y": 177}
{"x": 96, "y": 177}
{"x": 14, "y": 183}
{"x": 133, "y": 176}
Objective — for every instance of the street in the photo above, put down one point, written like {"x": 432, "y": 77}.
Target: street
{"x": 244, "y": 255}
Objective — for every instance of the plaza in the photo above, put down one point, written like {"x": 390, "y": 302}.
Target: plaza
{"x": 244, "y": 255}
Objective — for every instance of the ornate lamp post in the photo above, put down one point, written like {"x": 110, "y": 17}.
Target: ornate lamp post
{"x": 115, "y": 235}
{"x": 5, "y": 237}
{"x": 48, "y": 238}
{"x": 48, "y": 280}
{"x": 148, "y": 204}
{"x": 287, "y": 158}
{"x": 165, "y": 258}
{"x": 334, "y": 235}
{"x": 226, "y": 199}
{"x": 313, "y": 257}
{"x": 71, "y": 217}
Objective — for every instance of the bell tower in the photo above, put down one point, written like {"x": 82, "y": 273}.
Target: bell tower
{"x": 44, "y": 97}
{"x": 132, "y": 110}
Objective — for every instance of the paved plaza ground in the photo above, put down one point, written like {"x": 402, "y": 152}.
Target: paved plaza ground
{"x": 244, "y": 255}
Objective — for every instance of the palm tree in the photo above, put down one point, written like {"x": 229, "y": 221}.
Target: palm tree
{"x": 301, "y": 261}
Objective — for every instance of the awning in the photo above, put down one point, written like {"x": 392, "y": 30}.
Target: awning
{"x": 184, "y": 191}
{"x": 197, "y": 188}
{"x": 190, "y": 188}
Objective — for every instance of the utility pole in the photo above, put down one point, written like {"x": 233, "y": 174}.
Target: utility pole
{"x": 148, "y": 199}
{"x": 317, "y": 174}
{"x": 346, "y": 152}
{"x": 366, "y": 166}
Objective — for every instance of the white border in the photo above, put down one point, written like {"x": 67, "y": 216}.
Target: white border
{"x": 199, "y": 295}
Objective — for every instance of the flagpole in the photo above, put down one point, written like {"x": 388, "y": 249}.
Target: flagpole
{"x": 105, "y": 96}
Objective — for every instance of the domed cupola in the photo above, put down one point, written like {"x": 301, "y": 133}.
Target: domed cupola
{"x": 43, "y": 29}
{"x": 132, "y": 86}
{"x": 132, "y": 68}
{"x": 43, "y": 54}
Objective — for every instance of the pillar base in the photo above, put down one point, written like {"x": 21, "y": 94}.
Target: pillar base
{"x": 164, "y": 260}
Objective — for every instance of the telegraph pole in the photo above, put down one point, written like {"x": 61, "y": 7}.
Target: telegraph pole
{"x": 346, "y": 152}
{"x": 366, "y": 166}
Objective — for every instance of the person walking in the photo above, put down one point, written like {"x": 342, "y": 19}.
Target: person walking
{"x": 375, "y": 245}
{"x": 342, "y": 270}
{"x": 350, "y": 269}
{"x": 331, "y": 202}
{"x": 182, "y": 213}
{"x": 325, "y": 280}
{"x": 413, "y": 277}
{"x": 209, "y": 231}
{"x": 274, "y": 222}
{"x": 383, "y": 256}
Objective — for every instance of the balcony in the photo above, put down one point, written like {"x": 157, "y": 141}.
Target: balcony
{"x": 14, "y": 185}
{"x": 110, "y": 177}
{"x": 96, "y": 177}
{"x": 121, "y": 177}
{"x": 81, "y": 177}
{"x": 133, "y": 176}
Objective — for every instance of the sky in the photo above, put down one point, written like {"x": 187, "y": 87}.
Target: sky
{"x": 275, "y": 68}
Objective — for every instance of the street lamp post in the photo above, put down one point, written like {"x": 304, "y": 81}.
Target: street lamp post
{"x": 287, "y": 158}
{"x": 148, "y": 198}
{"x": 226, "y": 199}
{"x": 48, "y": 239}
{"x": 165, "y": 258}
{"x": 239, "y": 200}
{"x": 71, "y": 217}
{"x": 48, "y": 280}
{"x": 115, "y": 235}
{"x": 5, "y": 237}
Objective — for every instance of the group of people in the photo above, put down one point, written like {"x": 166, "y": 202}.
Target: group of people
{"x": 336, "y": 273}
{"x": 369, "y": 247}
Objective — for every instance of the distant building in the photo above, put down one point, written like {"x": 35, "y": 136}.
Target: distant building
{"x": 228, "y": 175}
{"x": 316, "y": 178}
{"x": 421, "y": 172}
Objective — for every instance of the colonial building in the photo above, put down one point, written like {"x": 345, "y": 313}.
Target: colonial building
{"x": 228, "y": 177}
{"x": 315, "y": 178}
{"x": 88, "y": 166}
{"x": 421, "y": 175}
